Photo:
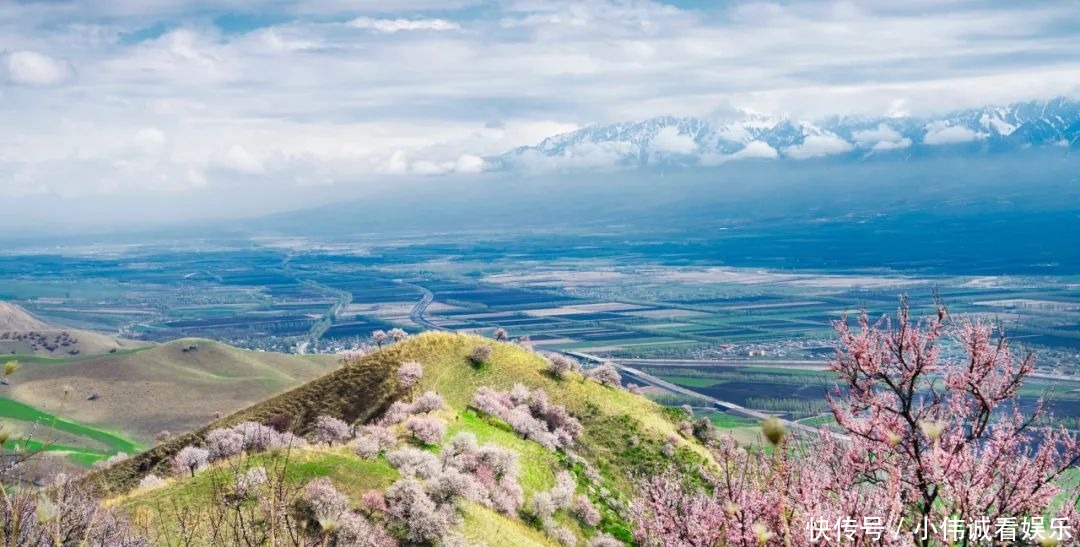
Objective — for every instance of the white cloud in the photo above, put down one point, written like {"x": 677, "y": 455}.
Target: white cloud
{"x": 36, "y": 69}
{"x": 150, "y": 140}
{"x": 937, "y": 133}
{"x": 313, "y": 100}
{"x": 752, "y": 150}
{"x": 881, "y": 138}
{"x": 756, "y": 149}
{"x": 891, "y": 145}
{"x": 468, "y": 163}
{"x": 239, "y": 160}
{"x": 669, "y": 141}
{"x": 399, "y": 164}
{"x": 869, "y": 137}
{"x": 391, "y": 26}
{"x": 818, "y": 145}
{"x": 586, "y": 155}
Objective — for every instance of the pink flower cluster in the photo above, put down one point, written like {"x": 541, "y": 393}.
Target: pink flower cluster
{"x": 330, "y": 431}
{"x": 421, "y": 506}
{"x": 400, "y": 411}
{"x": 409, "y": 373}
{"x": 924, "y": 440}
{"x": 223, "y": 443}
{"x": 530, "y": 414}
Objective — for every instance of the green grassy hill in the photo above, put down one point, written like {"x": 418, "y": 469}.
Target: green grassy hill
{"x": 622, "y": 437}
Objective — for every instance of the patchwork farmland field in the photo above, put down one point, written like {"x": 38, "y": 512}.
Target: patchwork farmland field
{"x": 281, "y": 298}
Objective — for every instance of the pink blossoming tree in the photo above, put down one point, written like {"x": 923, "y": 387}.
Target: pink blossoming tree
{"x": 924, "y": 440}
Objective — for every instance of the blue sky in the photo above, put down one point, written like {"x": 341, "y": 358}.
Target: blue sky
{"x": 134, "y": 98}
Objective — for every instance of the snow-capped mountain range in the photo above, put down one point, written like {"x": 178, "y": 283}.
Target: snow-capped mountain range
{"x": 695, "y": 141}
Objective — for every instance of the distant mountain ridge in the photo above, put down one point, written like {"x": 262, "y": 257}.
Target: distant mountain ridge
{"x": 672, "y": 140}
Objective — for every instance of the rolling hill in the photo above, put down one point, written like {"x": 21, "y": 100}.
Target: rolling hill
{"x": 623, "y": 436}
{"x": 176, "y": 386}
{"x": 22, "y": 334}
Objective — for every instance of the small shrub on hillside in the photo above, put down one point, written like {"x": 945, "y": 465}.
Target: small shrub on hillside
{"x": 190, "y": 459}
{"x": 525, "y": 342}
{"x": 426, "y": 430}
{"x": 280, "y": 422}
{"x": 585, "y": 511}
{"x": 366, "y": 448}
{"x": 501, "y": 335}
{"x": 450, "y": 484}
{"x": 323, "y": 502}
{"x": 606, "y": 374}
{"x": 256, "y": 436}
{"x": 635, "y": 389}
{"x": 378, "y": 337}
{"x": 223, "y": 443}
{"x": 563, "y": 491}
{"x": 397, "y": 334}
{"x": 396, "y": 414}
{"x": 560, "y": 366}
{"x": 151, "y": 481}
{"x": 494, "y": 469}
{"x": 415, "y": 515}
{"x": 373, "y": 502}
{"x": 413, "y": 462}
{"x": 542, "y": 506}
{"x": 428, "y": 402}
{"x": 111, "y": 460}
{"x": 400, "y": 410}
{"x": 530, "y": 414}
{"x": 409, "y": 373}
{"x": 561, "y": 534}
{"x": 604, "y": 540}
{"x": 284, "y": 442}
{"x": 249, "y": 482}
{"x": 357, "y": 531}
{"x": 705, "y": 431}
{"x": 383, "y": 435}
{"x": 330, "y": 431}
{"x": 372, "y": 440}
{"x": 685, "y": 428}
{"x": 480, "y": 355}
{"x": 353, "y": 355}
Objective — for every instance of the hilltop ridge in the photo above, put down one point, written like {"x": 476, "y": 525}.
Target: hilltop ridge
{"x": 623, "y": 436}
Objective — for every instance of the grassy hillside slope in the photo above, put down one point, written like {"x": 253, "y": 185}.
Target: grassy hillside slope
{"x": 622, "y": 438}
{"x": 14, "y": 318}
{"x": 355, "y": 393}
{"x": 176, "y": 386}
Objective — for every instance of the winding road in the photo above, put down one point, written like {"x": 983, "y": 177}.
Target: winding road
{"x": 417, "y": 313}
{"x": 646, "y": 378}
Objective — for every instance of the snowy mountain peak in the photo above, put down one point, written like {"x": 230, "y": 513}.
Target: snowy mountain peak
{"x": 687, "y": 141}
